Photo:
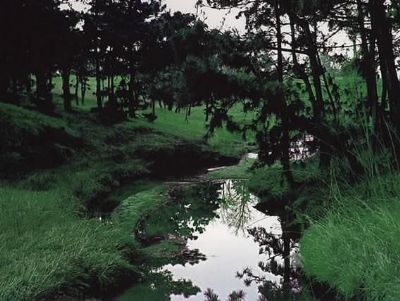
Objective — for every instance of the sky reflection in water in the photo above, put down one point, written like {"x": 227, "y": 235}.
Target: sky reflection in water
{"x": 228, "y": 246}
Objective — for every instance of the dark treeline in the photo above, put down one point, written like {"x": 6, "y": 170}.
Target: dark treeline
{"x": 124, "y": 45}
{"x": 140, "y": 54}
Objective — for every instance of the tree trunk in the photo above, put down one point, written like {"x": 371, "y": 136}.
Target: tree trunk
{"x": 41, "y": 86}
{"x": 112, "y": 91}
{"x": 318, "y": 105}
{"x": 132, "y": 103}
{"x": 14, "y": 88}
{"x": 382, "y": 30}
{"x": 297, "y": 69}
{"x": 316, "y": 71}
{"x": 83, "y": 89}
{"x": 65, "y": 74}
{"x": 286, "y": 253}
{"x": 368, "y": 63}
{"x": 77, "y": 89}
{"x": 28, "y": 84}
{"x": 99, "y": 97}
{"x": 285, "y": 145}
{"x": 43, "y": 92}
{"x": 328, "y": 91}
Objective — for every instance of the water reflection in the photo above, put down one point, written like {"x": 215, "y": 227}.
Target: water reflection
{"x": 280, "y": 247}
{"x": 236, "y": 204}
{"x": 158, "y": 287}
{"x": 282, "y": 252}
{"x": 190, "y": 210}
{"x": 233, "y": 250}
{"x": 246, "y": 254}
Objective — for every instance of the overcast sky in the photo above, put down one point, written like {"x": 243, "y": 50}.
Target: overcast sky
{"x": 227, "y": 19}
{"x": 222, "y": 19}
{"x": 213, "y": 17}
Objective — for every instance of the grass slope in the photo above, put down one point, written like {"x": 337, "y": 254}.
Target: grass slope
{"x": 191, "y": 127}
{"x": 49, "y": 243}
{"x": 47, "y": 249}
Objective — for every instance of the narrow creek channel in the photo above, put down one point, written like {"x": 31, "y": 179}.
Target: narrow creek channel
{"x": 228, "y": 247}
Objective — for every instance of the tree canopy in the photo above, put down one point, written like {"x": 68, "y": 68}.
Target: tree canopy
{"x": 286, "y": 68}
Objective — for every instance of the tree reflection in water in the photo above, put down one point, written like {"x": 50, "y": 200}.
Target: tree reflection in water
{"x": 237, "y": 205}
{"x": 190, "y": 210}
{"x": 198, "y": 212}
{"x": 159, "y": 286}
{"x": 281, "y": 251}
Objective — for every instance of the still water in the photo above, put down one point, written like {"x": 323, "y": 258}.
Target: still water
{"x": 236, "y": 251}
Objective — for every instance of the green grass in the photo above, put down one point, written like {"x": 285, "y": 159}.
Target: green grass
{"x": 354, "y": 247}
{"x": 352, "y": 242}
{"x": 239, "y": 171}
{"x": 194, "y": 127}
{"x": 49, "y": 246}
{"x": 269, "y": 181}
{"x": 30, "y": 139}
{"x": 46, "y": 248}
{"x": 19, "y": 126}
{"x": 133, "y": 207}
{"x": 18, "y": 118}
{"x": 191, "y": 127}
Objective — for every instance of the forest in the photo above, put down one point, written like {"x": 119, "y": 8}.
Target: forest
{"x": 148, "y": 155}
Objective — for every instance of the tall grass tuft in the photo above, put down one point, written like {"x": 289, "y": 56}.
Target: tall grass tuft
{"x": 46, "y": 248}
{"x": 354, "y": 245}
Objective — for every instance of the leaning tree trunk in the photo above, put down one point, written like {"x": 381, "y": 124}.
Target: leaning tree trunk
{"x": 297, "y": 68}
{"x": 316, "y": 71}
{"x": 318, "y": 105}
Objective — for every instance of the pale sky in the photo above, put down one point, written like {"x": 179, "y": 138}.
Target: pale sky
{"x": 213, "y": 17}
{"x": 222, "y": 19}
{"x": 227, "y": 19}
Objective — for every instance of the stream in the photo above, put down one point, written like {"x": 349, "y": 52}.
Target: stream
{"x": 230, "y": 249}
